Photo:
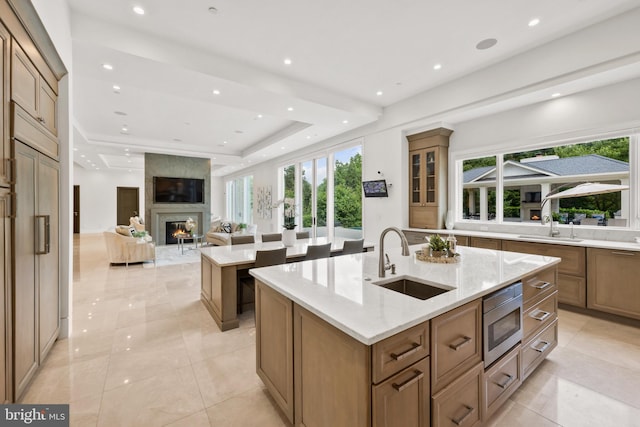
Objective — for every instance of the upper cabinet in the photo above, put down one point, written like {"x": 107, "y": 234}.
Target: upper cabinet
{"x": 31, "y": 90}
{"x": 5, "y": 145}
{"x": 428, "y": 153}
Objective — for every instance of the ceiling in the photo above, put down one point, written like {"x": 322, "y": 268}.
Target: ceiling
{"x": 349, "y": 60}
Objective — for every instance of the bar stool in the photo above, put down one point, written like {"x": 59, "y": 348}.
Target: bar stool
{"x": 273, "y": 237}
{"x": 243, "y": 239}
{"x": 318, "y": 251}
{"x": 263, "y": 259}
{"x": 352, "y": 246}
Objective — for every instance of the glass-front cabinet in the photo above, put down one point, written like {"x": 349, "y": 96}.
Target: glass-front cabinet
{"x": 428, "y": 178}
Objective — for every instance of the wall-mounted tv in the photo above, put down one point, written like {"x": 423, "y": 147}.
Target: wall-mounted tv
{"x": 377, "y": 188}
{"x": 178, "y": 190}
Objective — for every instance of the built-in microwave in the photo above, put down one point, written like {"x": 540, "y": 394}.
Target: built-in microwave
{"x": 502, "y": 321}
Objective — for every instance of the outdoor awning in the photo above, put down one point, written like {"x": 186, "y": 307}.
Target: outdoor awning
{"x": 586, "y": 189}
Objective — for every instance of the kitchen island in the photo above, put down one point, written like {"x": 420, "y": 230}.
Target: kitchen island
{"x": 335, "y": 347}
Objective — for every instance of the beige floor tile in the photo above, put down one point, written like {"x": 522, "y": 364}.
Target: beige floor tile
{"x": 199, "y": 419}
{"x": 135, "y": 315}
{"x": 84, "y": 412}
{"x": 206, "y": 343}
{"x": 227, "y": 375}
{"x": 147, "y": 333}
{"x": 155, "y": 401}
{"x": 78, "y": 348}
{"x": 512, "y": 414}
{"x": 146, "y": 361}
{"x": 253, "y": 408}
{"x": 610, "y": 350}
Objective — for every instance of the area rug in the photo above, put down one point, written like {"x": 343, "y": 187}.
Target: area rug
{"x": 171, "y": 255}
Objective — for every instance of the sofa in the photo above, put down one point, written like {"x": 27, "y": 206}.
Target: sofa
{"x": 125, "y": 249}
{"x": 220, "y": 232}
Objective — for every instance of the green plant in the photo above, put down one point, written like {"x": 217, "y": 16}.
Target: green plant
{"x": 242, "y": 226}
{"x": 437, "y": 243}
{"x": 139, "y": 234}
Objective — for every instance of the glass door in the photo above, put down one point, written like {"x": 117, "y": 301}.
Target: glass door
{"x": 314, "y": 197}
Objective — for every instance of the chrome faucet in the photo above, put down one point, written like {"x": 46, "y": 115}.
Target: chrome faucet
{"x": 405, "y": 250}
{"x": 552, "y": 232}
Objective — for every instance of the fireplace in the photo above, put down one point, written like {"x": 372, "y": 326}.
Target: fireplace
{"x": 163, "y": 219}
{"x": 173, "y": 228}
{"x": 535, "y": 214}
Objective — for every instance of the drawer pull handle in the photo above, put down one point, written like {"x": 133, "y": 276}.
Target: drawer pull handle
{"x": 406, "y": 353}
{"x": 466, "y": 340}
{"x": 418, "y": 376}
{"x": 543, "y": 348}
{"x": 458, "y": 421}
{"x": 622, "y": 253}
{"x": 506, "y": 382}
{"x": 541, "y": 285}
{"x": 542, "y": 317}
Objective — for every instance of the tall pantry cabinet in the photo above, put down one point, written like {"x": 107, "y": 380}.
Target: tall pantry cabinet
{"x": 29, "y": 198}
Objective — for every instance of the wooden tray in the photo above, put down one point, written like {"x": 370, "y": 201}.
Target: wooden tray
{"x": 424, "y": 256}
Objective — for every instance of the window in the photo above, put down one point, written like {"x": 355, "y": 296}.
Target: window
{"x": 347, "y": 196}
{"x": 240, "y": 200}
{"x": 530, "y": 177}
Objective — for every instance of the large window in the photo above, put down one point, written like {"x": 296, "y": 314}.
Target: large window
{"x": 240, "y": 200}
{"x": 535, "y": 184}
{"x": 327, "y": 193}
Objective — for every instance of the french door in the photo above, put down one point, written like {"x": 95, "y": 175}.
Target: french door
{"x": 314, "y": 197}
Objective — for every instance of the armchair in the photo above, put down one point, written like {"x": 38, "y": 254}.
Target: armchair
{"x": 124, "y": 249}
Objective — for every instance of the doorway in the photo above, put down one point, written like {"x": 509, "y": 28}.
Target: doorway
{"x": 127, "y": 204}
{"x": 76, "y": 209}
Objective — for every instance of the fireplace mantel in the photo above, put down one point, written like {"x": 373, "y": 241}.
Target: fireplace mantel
{"x": 160, "y": 216}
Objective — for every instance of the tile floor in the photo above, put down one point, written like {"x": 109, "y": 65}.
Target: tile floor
{"x": 144, "y": 352}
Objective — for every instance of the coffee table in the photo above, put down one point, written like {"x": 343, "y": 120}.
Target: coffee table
{"x": 194, "y": 237}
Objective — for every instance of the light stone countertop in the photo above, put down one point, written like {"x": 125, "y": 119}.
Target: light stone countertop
{"x": 342, "y": 290}
{"x": 530, "y": 237}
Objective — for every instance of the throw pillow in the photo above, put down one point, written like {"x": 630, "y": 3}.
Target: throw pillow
{"x": 123, "y": 230}
{"x": 226, "y": 227}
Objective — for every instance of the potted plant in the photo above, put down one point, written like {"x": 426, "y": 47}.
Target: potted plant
{"x": 289, "y": 221}
{"x": 437, "y": 246}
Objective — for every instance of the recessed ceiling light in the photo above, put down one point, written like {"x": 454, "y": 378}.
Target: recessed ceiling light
{"x": 88, "y": 161}
{"x": 127, "y": 154}
{"x": 128, "y": 161}
{"x": 290, "y": 109}
{"x": 124, "y": 128}
{"x": 216, "y": 92}
{"x": 534, "y": 22}
{"x": 82, "y": 155}
{"x": 259, "y": 116}
{"x": 379, "y": 93}
{"x": 437, "y": 66}
{"x": 486, "y": 44}
{"x": 287, "y": 61}
{"x": 116, "y": 87}
{"x": 555, "y": 95}
{"x": 282, "y": 148}
{"x": 345, "y": 121}
{"x": 129, "y": 170}
{"x": 107, "y": 66}
{"x": 97, "y": 169}
{"x": 138, "y": 10}
{"x": 224, "y": 142}
{"x": 126, "y": 149}
{"x": 308, "y": 136}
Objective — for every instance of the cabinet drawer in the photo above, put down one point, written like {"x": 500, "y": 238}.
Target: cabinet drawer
{"x": 501, "y": 381}
{"x": 486, "y": 243}
{"x": 403, "y": 400}
{"x": 399, "y": 351}
{"x": 459, "y": 403}
{"x": 456, "y": 343}
{"x": 540, "y": 315}
{"x": 573, "y": 258}
{"x": 423, "y": 217}
{"x": 535, "y": 350}
{"x": 536, "y": 285}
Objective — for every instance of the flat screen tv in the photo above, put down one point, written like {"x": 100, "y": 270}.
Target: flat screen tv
{"x": 377, "y": 188}
{"x": 178, "y": 190}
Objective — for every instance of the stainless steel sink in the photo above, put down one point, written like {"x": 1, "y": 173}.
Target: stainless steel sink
{"x": 414, "y": 289}
{"x": 549, "y": 238}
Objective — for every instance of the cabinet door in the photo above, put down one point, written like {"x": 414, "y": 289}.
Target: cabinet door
{"x": 47, "y": 245}
{"x": 25, "y": 328}
{"x": 274, "y": 345}
{"x": 48, "y": 102}
{"x": 5, "y": 294}
{"x": 486, "y": 243}
{"x": 423, "y": 217}
{"x": 431, "y": 176}
{"x": 416, "y": 178}
{"x": 205, "y": 282}
{"x": 403, "y": 399}
{"x": 612, "y": 281}
{"x": 5, "y": 146}
{"x": 25, "y": 80}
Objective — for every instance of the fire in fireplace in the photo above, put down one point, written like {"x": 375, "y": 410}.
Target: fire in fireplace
{"x": 173, "y": 229}
{"x": 534, "y": 214}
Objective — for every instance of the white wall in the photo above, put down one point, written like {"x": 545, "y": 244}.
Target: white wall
{"x": 98, "y": 193}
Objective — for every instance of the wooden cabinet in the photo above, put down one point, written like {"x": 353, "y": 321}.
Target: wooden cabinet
{"x": 612, "y": 281}
{"x": 332, "y": 379}
{"x": 5, "y": 88}
{"x": 395, "y": 353}
{"x": 428, "y": 152}
{"x": 6, "y": 211}
{"x": 485, "y": 242}
{"x": 537, "y": 349}
{"x": 403, "y": 399}
{"x": 31, "y": 91}
{"x": 36, "y": 262}
{"x": 459, "y": 404}
{"x": 571, "y": 279}
{"x": 274, "y": 358}
{"x": 419, "y": 237}
{"x": 456, "y": 343}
